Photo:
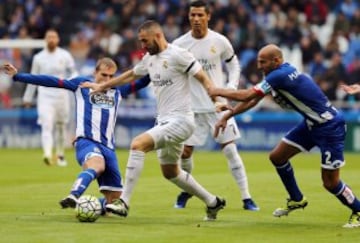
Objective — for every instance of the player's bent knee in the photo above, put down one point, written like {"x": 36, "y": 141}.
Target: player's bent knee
{"x": 169, "y": 171}
{"x": 187, "y": 152}
{"x": 143, "y": 143}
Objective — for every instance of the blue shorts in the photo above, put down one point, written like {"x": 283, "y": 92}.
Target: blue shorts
{"x": 329, "y": 137}
{"x": 110, "y": 179}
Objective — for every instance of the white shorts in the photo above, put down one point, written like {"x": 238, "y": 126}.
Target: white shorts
{"x": 205, "y": 125}
{"x": 51, "y": 111}
{"x": 169, "y": 135}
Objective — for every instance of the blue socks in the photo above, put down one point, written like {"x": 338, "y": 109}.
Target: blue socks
{"x": 103, "y": 203}
{"x": 286, "y": 174}
{"x": 346, "y": 196}
{"x": 82, "y": 182}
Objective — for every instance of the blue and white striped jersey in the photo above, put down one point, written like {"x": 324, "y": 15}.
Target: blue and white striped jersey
{"x": 294, "y": 90}
{"x": 95, "y": 112}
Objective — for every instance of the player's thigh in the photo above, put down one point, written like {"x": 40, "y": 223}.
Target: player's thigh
{"x": 86, "y": 149}
{"x": 171, "y": 130}
{"x": 46, "y": 115}
{"x": 296, "y": 140}
{"x": 169, "y": 136}
{"x": 331, "y": 141}
{"x": 201, "y": 131}
{"x": 300, "y": 137}
{"x": 62, "y": 111}
{"x": 110, "y": 179}
{"x": 230, "y": 133}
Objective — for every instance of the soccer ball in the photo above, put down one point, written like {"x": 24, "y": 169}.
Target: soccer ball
{"x": 88, "y": 208}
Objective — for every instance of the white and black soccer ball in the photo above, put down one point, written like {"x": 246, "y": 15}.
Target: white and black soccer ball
{"x": 88, "y": 208}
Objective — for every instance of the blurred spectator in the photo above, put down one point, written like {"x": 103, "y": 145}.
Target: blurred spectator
{"x": 306, "y": 29}
{"x": 341, "y": 23}
{"x": 171, "y": 28}
{"x": 317, "y": 67}
{"x": 309, "y": 46}
{"x": 334, "y": 76}
{"x": 348, "y": 8}
{"x": 354, "y": 71}
{"x": 316, "y": 12}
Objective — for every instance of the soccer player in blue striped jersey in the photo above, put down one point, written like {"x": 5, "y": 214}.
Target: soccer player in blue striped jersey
{"x": 323, "y": 126}
{"x": 95, "y": 123}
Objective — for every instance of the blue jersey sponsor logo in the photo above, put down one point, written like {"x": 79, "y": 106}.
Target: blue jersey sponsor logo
{"x": 292, "y": 76}
{"x": 102, "y": 100}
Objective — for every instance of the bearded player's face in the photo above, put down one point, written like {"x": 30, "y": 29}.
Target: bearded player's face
{"x": 148, "y": 42}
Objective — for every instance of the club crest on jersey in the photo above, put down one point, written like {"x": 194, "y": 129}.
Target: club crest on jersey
{"x": 165, "y": 64}
{"x": 102, "y": 100}
{"x": 213, "y": 49}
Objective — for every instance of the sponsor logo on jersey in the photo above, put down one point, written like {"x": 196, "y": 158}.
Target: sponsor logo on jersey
{"x": 293, "y": 75}
{"x": 159, "y": 82}
{"x": 102, "y": 100}
{"x": 206, "y": 65}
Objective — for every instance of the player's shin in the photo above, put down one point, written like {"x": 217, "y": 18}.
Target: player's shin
{"x": 187, "y": 164}
{"x": 287, "y": 176}
{"x": 237, "y": 169}
{"x": 346, "y": 196}
{"x": 133, "y": 170}
{"x": 187, "y": 183}
{"x": 82, "y": 182}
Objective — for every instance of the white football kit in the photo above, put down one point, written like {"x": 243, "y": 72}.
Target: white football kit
{"x": 169, "y": 72}
{"x": 211, "y": 51}
{"x": 52, "y": 104}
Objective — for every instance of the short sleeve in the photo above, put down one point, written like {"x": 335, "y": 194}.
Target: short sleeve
{"x": 140, "y": 68}
{"x": 187, "y": 62}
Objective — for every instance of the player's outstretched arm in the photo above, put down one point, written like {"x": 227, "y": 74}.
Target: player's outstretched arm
{"x": 40, "y": 79}
{"x": 351, "y": 89}
{"x": 239, "y": 108}
{"x": 9, "y": 69}
{"x": 238, "y": 95}
{"x": 123, "y": 78}
{"x": 204, "y": 79}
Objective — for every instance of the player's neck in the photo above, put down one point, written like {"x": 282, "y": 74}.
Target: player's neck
{"x": 163, "y": 46}
{"x": 51, "y": 50}
{"x": 199, "y": 34}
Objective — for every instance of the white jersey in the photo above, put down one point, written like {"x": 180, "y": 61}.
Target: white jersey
{"x": 60, "y": 64}
{"x": 210, "y": 51}
{"x": 169, "y": 72}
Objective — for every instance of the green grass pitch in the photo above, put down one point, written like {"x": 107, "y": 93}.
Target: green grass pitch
{"x": 30, "y": 191}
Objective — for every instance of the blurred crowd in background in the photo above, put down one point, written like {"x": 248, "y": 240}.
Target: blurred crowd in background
{"x": 321, "y": 38}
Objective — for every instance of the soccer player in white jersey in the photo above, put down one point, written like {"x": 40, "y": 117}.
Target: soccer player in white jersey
{"x": 53, "y": 104}
{"x": 95, "y": 124}
{"x": 211, "y": 49}
{"x": 169, "y": 67}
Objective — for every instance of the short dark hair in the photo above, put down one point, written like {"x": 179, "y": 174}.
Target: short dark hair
{"x": 200, "y": 4}
{"x": 149, "y": 24}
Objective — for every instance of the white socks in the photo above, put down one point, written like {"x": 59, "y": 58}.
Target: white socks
{"x": 47, "y": 140}
{"x": 237, "y": 169}
{"x": 134, "y": 167}
{"x": 187, "y": 183}
{"x": 187, "y": 164}
{"x": 60, "y": 129}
